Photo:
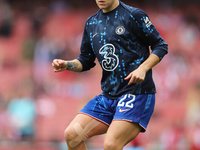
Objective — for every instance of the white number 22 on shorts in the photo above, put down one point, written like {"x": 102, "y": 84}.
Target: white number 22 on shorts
{"x": 129, "y": 103}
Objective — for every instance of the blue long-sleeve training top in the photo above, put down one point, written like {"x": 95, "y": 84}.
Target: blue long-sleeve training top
{"x": 120, "y": 40}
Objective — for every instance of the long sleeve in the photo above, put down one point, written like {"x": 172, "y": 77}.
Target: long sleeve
{"x": 87, "y": 56}
{"x": 144, "y": 29}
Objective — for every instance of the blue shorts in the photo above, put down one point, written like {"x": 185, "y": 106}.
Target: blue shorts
{"x": 132, "y": 108}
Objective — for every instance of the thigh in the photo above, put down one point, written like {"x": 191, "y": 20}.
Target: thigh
{"x": 100, "y": 108}
{"x": 122, "y": 132}
{"x": 89, "y": 125}
{"x": 135, "y": 108}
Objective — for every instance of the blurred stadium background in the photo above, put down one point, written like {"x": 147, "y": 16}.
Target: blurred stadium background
{"x": 36, "y": 104}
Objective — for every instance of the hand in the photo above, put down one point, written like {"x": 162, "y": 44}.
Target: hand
{"x": 136, "y": 76}
{"x": 59, "y": 65}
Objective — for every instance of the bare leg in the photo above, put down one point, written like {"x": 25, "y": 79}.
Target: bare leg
{"x": 119, "y": 134}
{"x": 82, "y": 121}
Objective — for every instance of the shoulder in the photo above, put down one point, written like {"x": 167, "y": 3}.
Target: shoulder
{"x": 134, "y": 11}
{"x": 93, "y": 17}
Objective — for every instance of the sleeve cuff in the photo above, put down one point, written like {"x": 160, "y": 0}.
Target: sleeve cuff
{"x": 160, "y": 53}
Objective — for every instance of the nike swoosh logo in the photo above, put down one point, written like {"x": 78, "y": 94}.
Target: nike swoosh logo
{"x": 94, "y": 35}
{"x": 122, "y": 110}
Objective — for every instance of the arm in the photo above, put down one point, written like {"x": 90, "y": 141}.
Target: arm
{"x": 61, "y": 65}
{"x": 138, "y": 75}
{"x": 143, "y": 28}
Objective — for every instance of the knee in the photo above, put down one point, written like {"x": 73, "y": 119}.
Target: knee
{"x": 69, "y": 135}
{"x": 110, "y": 145}
{"x": 72, "y": 138}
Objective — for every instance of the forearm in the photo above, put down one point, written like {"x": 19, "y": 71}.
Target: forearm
{"x": 151, "y": 61}
{"x": 74, "y": 65}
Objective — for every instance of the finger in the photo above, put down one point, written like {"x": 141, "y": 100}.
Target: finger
{"x": 57, "y": 70}
{"x": 54, "y": 65}
{"x": 137, "y": 81}
{"x": 61, "y": 63}
{"x": 140, "y": 81}
{"x": 132, "y": 80}
{"x": 56, "y": 62}
{"x": 128, "y": 77}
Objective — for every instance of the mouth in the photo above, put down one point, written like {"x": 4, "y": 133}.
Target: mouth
{"x": 102, "y": 2}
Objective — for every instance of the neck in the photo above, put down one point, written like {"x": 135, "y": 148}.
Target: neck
{"x": 112, "y": 7}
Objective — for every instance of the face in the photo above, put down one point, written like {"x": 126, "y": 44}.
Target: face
{"x": 107, "y": 5}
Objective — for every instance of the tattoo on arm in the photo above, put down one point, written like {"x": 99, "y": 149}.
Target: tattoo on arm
{"x": 71, "y": 65}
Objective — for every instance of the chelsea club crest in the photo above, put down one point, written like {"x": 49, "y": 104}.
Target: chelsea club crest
{"x": 120, "y": 30}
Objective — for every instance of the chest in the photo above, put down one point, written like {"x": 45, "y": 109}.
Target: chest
{"x": 109, "y": 29}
